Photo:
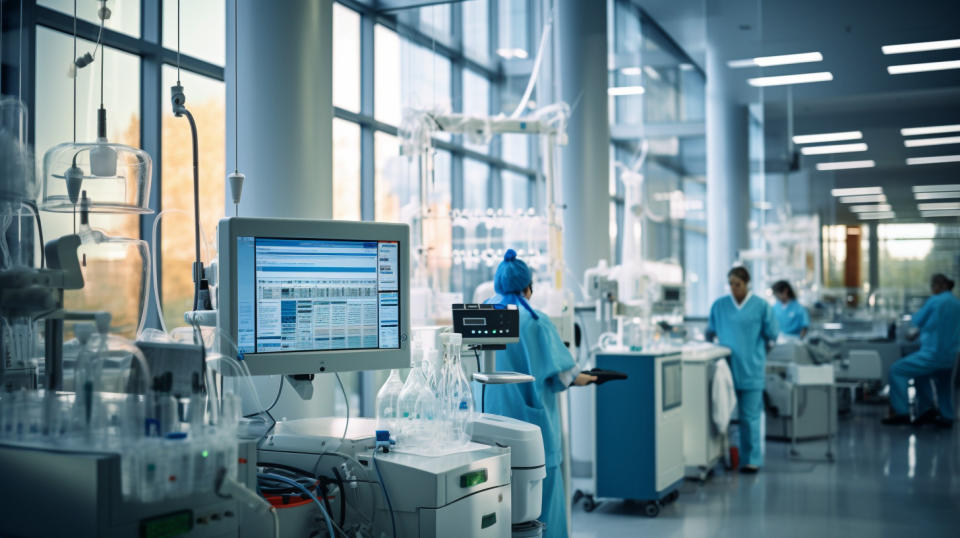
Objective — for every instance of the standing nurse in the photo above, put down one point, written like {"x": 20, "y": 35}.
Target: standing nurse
{"x": 939, "y": 324}
{"x": 542, "y": 354}
{"x": 792, "y": 318}
{"x": 745, "y": 323}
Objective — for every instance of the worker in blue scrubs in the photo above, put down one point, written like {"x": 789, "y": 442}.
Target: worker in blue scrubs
{"x": 939, "y": 324}
{"x": 745, "y": 323}
{"x": 792, "y": 319}
{"x": 542, "y": 354}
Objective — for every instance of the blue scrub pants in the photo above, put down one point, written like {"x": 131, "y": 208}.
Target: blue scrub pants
{"x": 553, "y": 512}
{"x": 750, "y": 406}
{"x": 924, "y": 371}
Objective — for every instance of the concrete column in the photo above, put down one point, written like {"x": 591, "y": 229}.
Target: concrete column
{"x": 728, "y": 176}
{"x": 285, "y": 143}
{"x": 580, "y": 35}
{"x": 285, "y": 107}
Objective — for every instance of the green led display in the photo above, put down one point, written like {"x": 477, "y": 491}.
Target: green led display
{"x": 473, "y": 478}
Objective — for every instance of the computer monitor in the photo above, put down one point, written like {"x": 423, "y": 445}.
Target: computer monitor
{"x": 310, "y": 296}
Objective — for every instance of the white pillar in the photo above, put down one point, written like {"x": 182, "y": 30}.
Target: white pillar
{"x": 285, "y": 143}
{"x": 728, "y": 175}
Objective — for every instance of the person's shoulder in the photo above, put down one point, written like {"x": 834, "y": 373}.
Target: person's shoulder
{"x": 720, "y": 301}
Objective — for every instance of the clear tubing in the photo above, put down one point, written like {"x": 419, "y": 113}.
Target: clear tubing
{"x": 153, "y": 261}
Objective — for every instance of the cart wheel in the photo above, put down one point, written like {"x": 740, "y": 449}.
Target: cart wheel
{"x": 577, "y": 495}
{"x": 589, "y": 503}
{"x": 651, "y": 509}
{"x": 674, "y": 495}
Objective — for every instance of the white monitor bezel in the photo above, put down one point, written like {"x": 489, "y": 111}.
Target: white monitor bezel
{"x": 310, "y": 362}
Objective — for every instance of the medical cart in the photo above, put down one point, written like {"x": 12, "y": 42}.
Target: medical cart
{"x": 639, "y": 442}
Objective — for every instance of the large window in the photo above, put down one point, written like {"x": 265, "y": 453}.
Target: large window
{"x": 138, "y": 115}
{"x": 658, "y": 145}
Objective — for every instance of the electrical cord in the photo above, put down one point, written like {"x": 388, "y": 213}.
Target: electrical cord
{"x": 36, "y": 216}
{"x": 275, "y": 400}
{"x": 483, "y": 386}
{"x": 294, "y": 483}
{"x": 383, "y": 486}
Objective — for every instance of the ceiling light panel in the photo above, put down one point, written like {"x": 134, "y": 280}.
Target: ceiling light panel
{"x": 857, "y": 191}
{"x": 877, "y": 216}
{"x": 870, "y": 208}
{"x": 935, "y": 129}
{"x": 827, "y": 137}
{"x": 921, "y": 47}
{"x": 783, "y": 59}
{"x": 939, "y": 205}
{"x": 939, "y": 159}
{"x": 939, "y": 141}
{"x": 783, "y": 80}
{"x": 625, "y": 90}
{"x": 867, "y": 199}
{"x": 631, "y": 71}
{"x": 845, "y": 165}
{"x": 943, "y": 213}
{"x": 935, "y": 188}
{"x": 833, "y": 148}
{"x": 945, "y": 195}
{"x": 922, "y": 67}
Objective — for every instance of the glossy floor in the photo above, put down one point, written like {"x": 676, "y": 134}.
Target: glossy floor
{"x": 887, "y": 481}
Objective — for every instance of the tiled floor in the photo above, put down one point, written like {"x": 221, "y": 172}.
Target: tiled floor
{"x": 898, "y": 481}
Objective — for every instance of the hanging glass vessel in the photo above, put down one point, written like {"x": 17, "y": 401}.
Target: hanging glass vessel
{"x": 18, "y": 182}
{"x": 115, "y": 176}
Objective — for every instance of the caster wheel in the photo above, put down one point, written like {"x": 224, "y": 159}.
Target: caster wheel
{"x": 589, "y": 504}
{"x": 577, "y": 495}
{"x": 674, "y": 495}
{"x": 651, "y": 509}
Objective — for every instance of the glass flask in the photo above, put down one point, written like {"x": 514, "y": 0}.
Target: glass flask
{"x": 387, "y": 401}
{"x": 457, "y": 396}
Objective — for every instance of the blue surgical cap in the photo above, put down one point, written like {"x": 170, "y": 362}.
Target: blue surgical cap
{"x": 513, "y": 276}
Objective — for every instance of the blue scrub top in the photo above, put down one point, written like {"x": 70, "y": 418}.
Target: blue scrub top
{"x": 939, "y": 324}
{"x": 791, "y": 317}
{"x": 745, "y": 329}
{"x": 542, "y": 354}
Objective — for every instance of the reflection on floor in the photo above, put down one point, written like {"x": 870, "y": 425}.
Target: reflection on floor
{"x": 887, "y": 481}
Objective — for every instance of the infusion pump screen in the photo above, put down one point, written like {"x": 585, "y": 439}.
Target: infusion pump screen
{"x": 317, "y": 295}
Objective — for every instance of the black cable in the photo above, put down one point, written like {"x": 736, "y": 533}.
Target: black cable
{"x": 198, "y": 265}
{"x": 275, "y": 400}
{"x": 393, "y": 517}
{"x": 483, "y": 398}
{"x": 343, "y": 496}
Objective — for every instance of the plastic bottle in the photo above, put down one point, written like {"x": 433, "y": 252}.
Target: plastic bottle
{"x": 387, "y": 400}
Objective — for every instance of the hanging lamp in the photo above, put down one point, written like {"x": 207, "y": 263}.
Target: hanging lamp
{"x": 116, "y": 177}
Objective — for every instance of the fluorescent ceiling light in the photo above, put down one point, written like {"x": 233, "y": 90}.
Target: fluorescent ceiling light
{"x": 827, "y": 137}
{"x": 936, "y": 129}
{"x": 944, "y": 195}
{"x": 625, "y": 90}
{"x": 935, "y": 188}
{"x": 934, "y": 160}
{"x": 920, "y": 68}
{"x": 783, "y": 59}
{"x": 845, "y": 165}
{"x": 857, "y": 191}
{"x": 921, "y": 47}
{"x": 941, "y": 213}
{"x": 868, "y": 199}
{"x": 917, "y": 142}
{"x": 939, "y": 205}
{"x": 870, "y": 208}
{"x": 631, "y": 71}
{"x": 833, "y": 148}
{"x": 651, "y": 72}
{"x": 822, "y": 76}
{"x": 510, "y": 54}
{"x": 877, "y": 216}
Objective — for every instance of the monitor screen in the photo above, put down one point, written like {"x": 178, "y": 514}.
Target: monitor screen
{"x": 306, "y": 295}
